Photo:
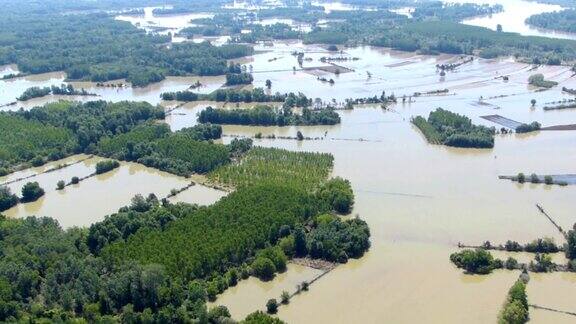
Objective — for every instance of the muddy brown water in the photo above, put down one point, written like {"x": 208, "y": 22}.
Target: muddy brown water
{"x": 420, "y": 200}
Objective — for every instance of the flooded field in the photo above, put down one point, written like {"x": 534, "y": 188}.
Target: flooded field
{"x": 104, "y": 193}
{"x": 417, "y": 213}
{"x": 420, "y": 200}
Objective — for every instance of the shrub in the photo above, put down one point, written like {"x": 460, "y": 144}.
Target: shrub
{"x": 338, "y": 194}
{"x": 511, "y": 263}
{"x": 261, "y": 318}
{"x": 526, "y": 128}
{"x": 285, "y": 297}
{"x": 299, "y": 136}
{"x": 75, "y": 180}
{"x": 548, "y": 180}
{"x": 105, "y": 166}
{"x": 263, "y": 268}
{"x": 521, "y": 177}
{"x": 538, "y": 81}
{"x": 60, "y": 185}
{"x": 7, "y": 199}
{"x": 476, "y": 261}
{"x": 515, "y": 309}
{"x": 272, "y": 306}
{"x": 31, "y": 192}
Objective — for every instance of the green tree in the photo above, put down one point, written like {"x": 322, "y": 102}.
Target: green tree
{"x": 272, "y": 306}
{"x": 300, "y": 246}
{"x": 263, "y": 268}
{"x": 31, "y": 192}
{"x": 299, "y": 136}
{"x": 285, "y": 297}
{"x": 268, "y": 84}
{"x": 7, "y": 198}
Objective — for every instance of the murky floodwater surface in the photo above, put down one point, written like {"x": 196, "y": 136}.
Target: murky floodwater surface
{"x": 420, "y": 200}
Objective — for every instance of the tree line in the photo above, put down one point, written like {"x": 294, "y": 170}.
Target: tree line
{"x": 263, "y": 115}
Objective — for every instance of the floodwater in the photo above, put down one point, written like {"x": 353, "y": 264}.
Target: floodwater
{"x": 421, "y": 200}
{"x": 10, "y": 89}
{"x": 254, "y": 293}
{"x": 163, "y": 24}
{"x": 101, "y": 195}
{"x": 514, "y": 15}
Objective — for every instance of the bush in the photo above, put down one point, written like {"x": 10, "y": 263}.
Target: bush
{"x": 570, "y": 246}
{"x": 276, "y": 255}
{"x": 511, "y": 263}
{"x": 538, "y": 81}
{"x": 285, "y": 297}
{"x": 60, "y": 185}
{"x": 534, "y": 178}
{"x": 75, "y": 180}
{"x": 515, "y": 309}
{"x": 545, "y": 245}
{"x": 7, "y": 199}
{"x": 261, "y": 318}
{"x": 338, "y": 194}
{"x": 543, "y": 263}
{"x": 37, "y": 161}
{"x": 105, "y": 166}
{"x": 263, "y": 268}
{"x": 548, "y": 180}
{"x": 526, "y": 128}
{"x": 521, "y": 177}
{"x": 299, "y": 136}
{"x": 287, "y": 245}
{"x": 31, "y": 192}
{"x": 476, "y": 261}
{"x": 272, "y": 306}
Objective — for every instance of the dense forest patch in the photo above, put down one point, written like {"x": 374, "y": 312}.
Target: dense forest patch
{"x": 262, "y": 115}
{"x": 448, "y": 128}
{"x": 56, "y": 130}
{"x": 100, "y": 48}
{"x": 559, "y": 20}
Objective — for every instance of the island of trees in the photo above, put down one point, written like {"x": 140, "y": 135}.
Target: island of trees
{"x": 451, "y": 129}
{"x": 558, "y": 20}
{"x": 63, "y": 90}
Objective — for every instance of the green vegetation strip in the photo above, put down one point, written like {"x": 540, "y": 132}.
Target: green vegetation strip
{"x": 451, "y": 129}
{"x": 262, "y": 165}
